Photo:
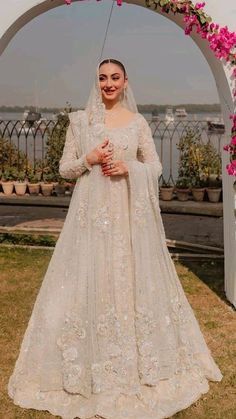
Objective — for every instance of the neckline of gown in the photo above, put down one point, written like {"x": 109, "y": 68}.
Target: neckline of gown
{"x": 124, "y": 126}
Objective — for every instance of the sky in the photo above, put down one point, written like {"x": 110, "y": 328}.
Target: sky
{"x": 52, "y": 60}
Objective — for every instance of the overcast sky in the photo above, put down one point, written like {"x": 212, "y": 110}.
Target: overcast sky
{"x": 53, "y": 58}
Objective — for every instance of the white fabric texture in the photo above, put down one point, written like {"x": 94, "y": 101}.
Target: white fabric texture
{"x": 111, "y": 332}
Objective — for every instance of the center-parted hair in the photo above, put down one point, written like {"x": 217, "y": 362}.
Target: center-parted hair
{"x": 112, "y": 60}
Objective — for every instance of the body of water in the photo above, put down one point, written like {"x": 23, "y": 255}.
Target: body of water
{"x": 6, "y": 116}
{"x": 166, "y": 137}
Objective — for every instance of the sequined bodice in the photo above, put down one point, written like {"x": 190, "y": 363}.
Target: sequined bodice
{"x": 125, "y": 139}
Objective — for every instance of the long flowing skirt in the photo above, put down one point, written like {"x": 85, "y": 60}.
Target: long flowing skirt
{"x": 111, "y": 332}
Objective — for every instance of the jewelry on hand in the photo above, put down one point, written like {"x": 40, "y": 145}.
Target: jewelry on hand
{"x": 110, "y": 146}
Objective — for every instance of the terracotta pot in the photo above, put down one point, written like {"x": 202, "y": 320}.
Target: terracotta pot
{"x": 7, "y": 187}
{"x": 71, "y": 188}
{"x": 60, "y": 189}
{"x": 20, "y": 188}
{"x": 46, "y": 188}
{"x": 198, "y": 194}
{"x": 166, "y": 194}
{"x": 34, "y": 188}
{"x": 182, "y": 194}
{"x": 214, "y": 194}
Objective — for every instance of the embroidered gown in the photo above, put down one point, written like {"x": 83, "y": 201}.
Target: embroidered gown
{"x": 111, "y": 332}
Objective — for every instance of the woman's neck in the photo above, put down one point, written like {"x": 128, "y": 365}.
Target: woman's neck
{"x": 111, "y": 106}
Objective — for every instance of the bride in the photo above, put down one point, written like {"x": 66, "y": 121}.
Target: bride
{"x": 111, "y": 334}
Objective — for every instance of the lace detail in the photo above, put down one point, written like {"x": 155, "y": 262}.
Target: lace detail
{"x": 108, "y": 324}
{"x": 102, "y": 219}
{"x": 146, "y": 148}
{"x": 113, "y": 372}
{"x": 141, "y": 210}
{"x": 81, "y": 213}
{"x": 70, "y": 166}
{"x": 73, "y": 365}
{"x": 112, "y": 333}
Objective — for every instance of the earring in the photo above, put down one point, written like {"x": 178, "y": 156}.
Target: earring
{"x": 125, "y": 93}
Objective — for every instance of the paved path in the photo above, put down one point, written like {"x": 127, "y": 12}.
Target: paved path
{"x": 193, "y": 222}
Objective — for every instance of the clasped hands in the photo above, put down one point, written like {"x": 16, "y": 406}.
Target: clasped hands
{"x": 103, "y": 155}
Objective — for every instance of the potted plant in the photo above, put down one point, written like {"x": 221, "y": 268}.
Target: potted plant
{"x": 70, "y": 185}
{"x": 20, "y": 183}
{"x": 198, "y": 188}
{"x": 198, "y": 162}
{"x": 47, "y": 184}
{"x": 214, "y": 189}
{"x": 60, "y": 187}
{"x": 166, "y": 191}
{"x": 9, "y": 175}
{"x": 213, "y": 173}
{"x": 182, "y": 188}
{"x": 189, "y": 162}
{"x": 33, "y": 183}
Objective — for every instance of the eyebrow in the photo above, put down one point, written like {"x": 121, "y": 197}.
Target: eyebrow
{"x": 114, "y": 74}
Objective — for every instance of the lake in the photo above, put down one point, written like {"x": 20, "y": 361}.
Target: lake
{"x": 166, "y": 137}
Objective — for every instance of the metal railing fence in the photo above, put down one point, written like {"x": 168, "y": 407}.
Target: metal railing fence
{"x": 30, "y": 141}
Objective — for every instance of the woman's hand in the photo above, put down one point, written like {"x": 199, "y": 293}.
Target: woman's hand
{"x": 114, "y": 168}
{"x": 100, "y": 154}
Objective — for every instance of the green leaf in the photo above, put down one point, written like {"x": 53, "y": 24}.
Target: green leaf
{"x": 164, "y": 2}
{"x": 202, "y": 19}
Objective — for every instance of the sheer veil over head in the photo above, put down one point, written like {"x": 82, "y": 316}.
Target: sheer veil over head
{"x": 95, "y": 108}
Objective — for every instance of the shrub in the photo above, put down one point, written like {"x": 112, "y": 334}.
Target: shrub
{"x": 198, "y": 161}
{"x": 10, "y": 156}
{"x": 55, "y": 143}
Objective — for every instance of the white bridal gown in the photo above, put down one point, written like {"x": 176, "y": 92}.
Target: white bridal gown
{"x": 111, "y": 332}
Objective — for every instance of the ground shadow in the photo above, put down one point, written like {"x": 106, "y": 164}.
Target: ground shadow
{"x": 212, "y": 274}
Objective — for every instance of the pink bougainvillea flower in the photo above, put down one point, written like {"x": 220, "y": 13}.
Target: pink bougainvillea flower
{"x": 233, "y": 117}
{"x": 234, "y": 72}
{"x": 233, "y": 140}
{"x": 230, "y": 169}
{"x": 68, "y": 1}
{"x": 200, "y": 5}
{"x": 188, "y": 30}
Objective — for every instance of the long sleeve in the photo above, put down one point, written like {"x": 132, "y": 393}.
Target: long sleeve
{"x": 71, "y": 165}
{"x": 146, "y": 148}
{"x": 144, "y": 173}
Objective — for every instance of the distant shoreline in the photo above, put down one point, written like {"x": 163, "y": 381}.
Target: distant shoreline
{"x": 148, "y": 108}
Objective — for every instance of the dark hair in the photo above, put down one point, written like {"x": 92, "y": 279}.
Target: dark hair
{"x": 112, "y": 60}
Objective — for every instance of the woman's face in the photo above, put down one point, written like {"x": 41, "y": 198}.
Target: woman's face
{"x": 112, "y": 82}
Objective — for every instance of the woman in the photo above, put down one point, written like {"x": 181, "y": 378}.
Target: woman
{"x": 112, "y": 334}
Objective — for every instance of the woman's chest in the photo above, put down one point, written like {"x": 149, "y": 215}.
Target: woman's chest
{"x": 124, "y": 142}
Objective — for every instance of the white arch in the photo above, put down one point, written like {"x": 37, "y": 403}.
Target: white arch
{"x": 15, "y": 14}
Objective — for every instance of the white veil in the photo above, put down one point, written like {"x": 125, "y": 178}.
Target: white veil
{"x": 95, "y": 108}
{"x": 156, "y": 285}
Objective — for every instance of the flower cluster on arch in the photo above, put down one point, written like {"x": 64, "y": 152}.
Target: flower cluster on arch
{"x": 221, "y": 41}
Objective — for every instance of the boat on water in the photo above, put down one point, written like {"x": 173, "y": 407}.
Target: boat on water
{"x": 180, "y": 113}
{"x": 169, "y": 116}
{"x": 155, "y": 116}
{"x": 32, "y": 121}
{"x": 216, "y": 125}
{"x": 31, "y": 117}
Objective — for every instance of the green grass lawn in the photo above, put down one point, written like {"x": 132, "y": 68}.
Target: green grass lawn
{"x": 22, "y": 271}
